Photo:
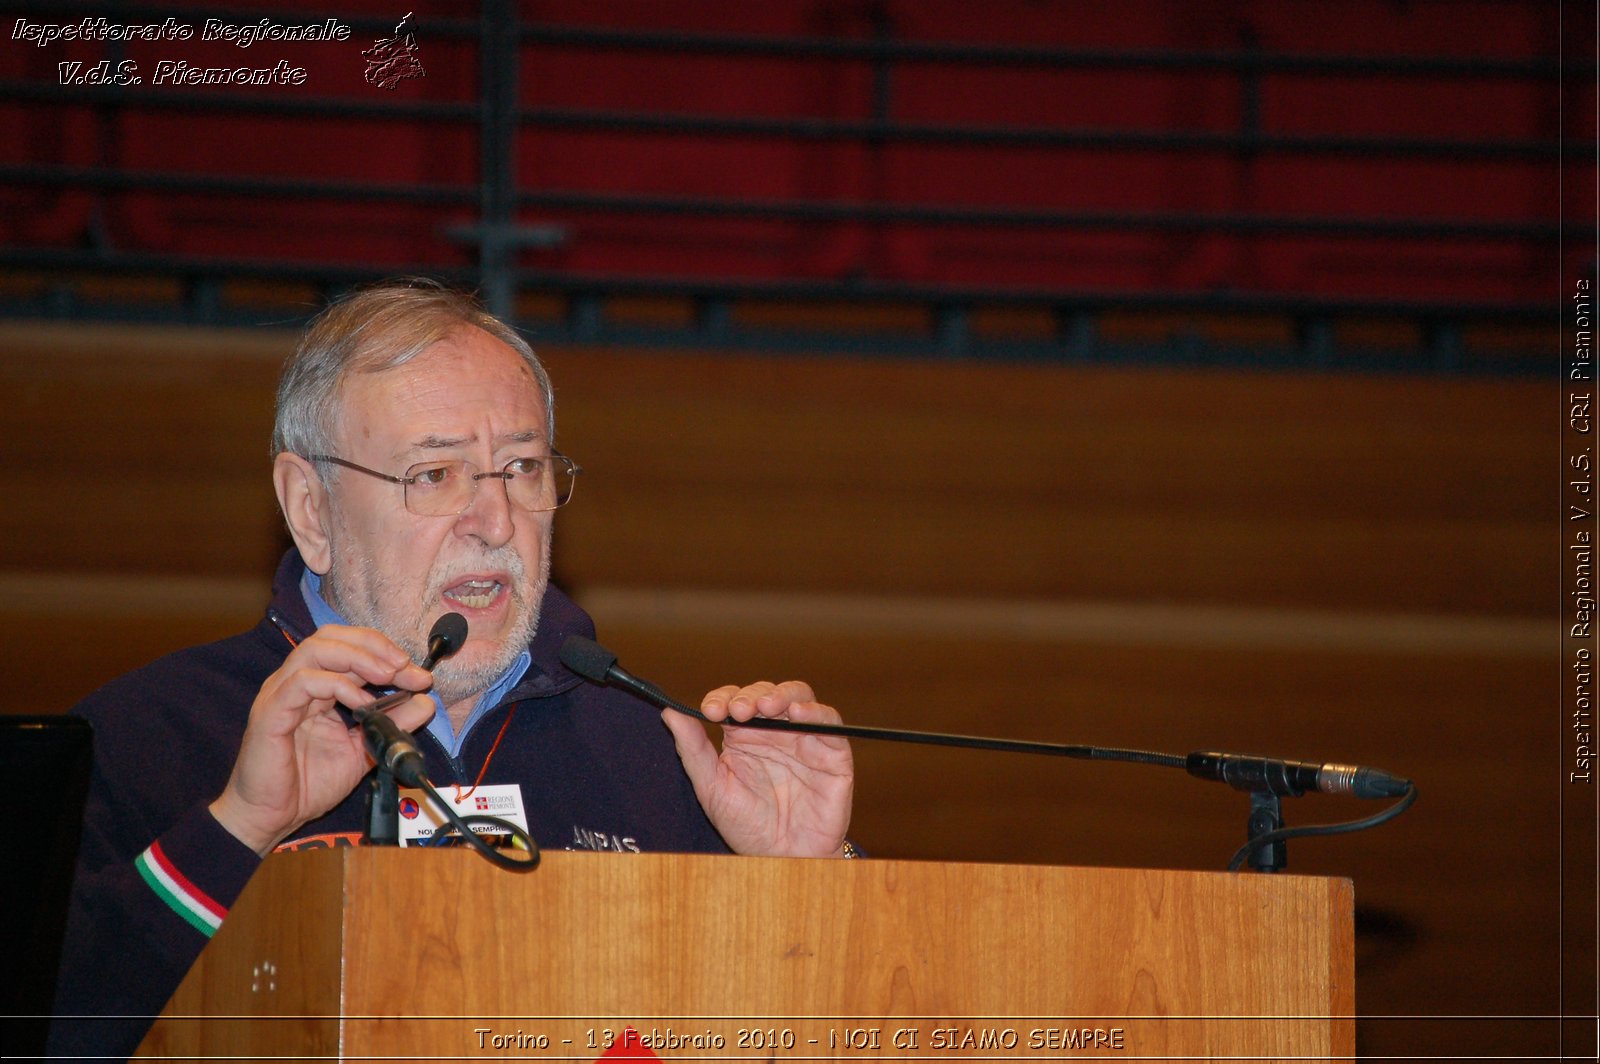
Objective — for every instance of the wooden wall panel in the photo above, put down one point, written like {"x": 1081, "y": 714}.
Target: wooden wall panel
{"x": 1345, "y": 567}
{"x": 1050, "y": 482}
{"x": 1289, "y": 489}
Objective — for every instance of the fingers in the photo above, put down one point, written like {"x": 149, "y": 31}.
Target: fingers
{"x": 414, "y": 714}
{"x": 364, "y": 653}
{"x": 334, "y": 665}
{"x": 766, "y": 700}
{"x": 297, "y": 758}
{"x": 695, "y": 749}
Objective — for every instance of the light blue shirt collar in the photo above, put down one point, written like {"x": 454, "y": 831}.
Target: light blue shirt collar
{"x": 439, "y": 726}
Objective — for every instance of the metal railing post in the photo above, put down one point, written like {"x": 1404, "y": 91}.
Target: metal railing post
{"x": 498, "y": 155}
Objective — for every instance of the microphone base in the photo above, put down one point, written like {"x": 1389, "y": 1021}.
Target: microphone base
{"x": 1266, "y": 814}
{"x": 383, "y": 809}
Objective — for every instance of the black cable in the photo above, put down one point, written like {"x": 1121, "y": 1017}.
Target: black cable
{"x": 460, "y": 824}
{"x": 1283, "y": 834}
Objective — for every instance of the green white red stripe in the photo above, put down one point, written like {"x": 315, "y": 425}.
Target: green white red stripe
{"x": 174, "y": 888}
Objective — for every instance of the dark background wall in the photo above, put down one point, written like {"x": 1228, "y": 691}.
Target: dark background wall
{"x": 1165, "y": 500}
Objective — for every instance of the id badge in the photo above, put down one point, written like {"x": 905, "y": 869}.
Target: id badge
{"x": 420, "y": 819}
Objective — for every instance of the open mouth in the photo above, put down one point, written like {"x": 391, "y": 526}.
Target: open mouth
{"x": 475, "y": 594}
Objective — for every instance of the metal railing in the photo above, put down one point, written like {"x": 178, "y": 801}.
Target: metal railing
{"x": 500, "y": 235}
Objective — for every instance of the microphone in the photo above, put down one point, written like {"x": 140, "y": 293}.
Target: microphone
{"x": 1264, "y": 774}
{"x": 1270, "y": 775}
{"x": 445, "y": 638}
{"x": 1257, "y": 775}
{"x": 598, "y": 665}
{"x": 391, "y": 746}
{"x": 588, "y": 659}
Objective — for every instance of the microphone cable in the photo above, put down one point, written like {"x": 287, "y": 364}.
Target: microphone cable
{"x": 462, "y": 825}
{"x": 1285, "y": 834}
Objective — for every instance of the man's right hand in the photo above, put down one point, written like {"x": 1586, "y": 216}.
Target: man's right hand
{"x": 298, "y": 759}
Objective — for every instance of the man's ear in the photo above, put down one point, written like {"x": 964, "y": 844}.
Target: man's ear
{"x": 306, "y": 507}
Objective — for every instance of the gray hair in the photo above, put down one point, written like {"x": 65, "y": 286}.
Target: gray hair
{"x": 372, "y": 329}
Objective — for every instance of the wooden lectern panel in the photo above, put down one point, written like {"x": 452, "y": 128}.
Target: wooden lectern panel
{"x": 395, "y": 953}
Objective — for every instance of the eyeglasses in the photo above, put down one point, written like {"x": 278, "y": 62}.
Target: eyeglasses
{"x": 444, "y": 489}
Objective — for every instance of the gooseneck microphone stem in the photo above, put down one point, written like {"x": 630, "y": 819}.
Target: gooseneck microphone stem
{"x": 1265, "y": 779}
{"x": 610, "y": 672}
{"x": 1245, "y": 772}
{"x": 969, "y": 742}
{"x": 391, "y": 746}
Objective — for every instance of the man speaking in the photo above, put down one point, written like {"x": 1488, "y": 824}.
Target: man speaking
{"x": 415, "y": 465}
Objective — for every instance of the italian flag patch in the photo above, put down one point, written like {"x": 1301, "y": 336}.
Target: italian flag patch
{"x": 174, "y": 888}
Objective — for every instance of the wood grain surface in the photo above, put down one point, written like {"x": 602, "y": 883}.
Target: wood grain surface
{"x": 437, "y": 946}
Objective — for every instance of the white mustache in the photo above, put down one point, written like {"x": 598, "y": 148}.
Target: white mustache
{"x": 506, "y": 561}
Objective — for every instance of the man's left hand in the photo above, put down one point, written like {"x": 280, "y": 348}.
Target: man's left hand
{"x": 769, "y": 793}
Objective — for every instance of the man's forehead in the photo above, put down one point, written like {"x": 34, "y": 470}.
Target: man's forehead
{"x": 464, "y": 355}
{"x": 450, "y": 385}
{"x": 465, "y": 343}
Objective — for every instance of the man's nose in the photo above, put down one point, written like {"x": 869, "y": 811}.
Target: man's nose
{"x": 489, "y": 515}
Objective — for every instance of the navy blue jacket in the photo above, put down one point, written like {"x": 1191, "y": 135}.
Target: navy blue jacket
{"x": 597, "y": 769}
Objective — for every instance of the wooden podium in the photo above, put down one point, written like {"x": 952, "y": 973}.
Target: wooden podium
{"x": 388, "y": 953}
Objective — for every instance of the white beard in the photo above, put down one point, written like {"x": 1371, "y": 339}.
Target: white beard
{"x": 374, "y": 602}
